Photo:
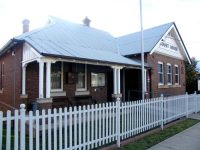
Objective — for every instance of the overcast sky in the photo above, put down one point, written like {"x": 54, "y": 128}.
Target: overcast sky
{"x": 118, "y": 17}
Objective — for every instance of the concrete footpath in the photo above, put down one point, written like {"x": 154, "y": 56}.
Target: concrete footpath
{"x": 189, "y": 139}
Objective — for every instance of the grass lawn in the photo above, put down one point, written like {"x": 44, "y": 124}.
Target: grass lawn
{"x": 156, "y": 138}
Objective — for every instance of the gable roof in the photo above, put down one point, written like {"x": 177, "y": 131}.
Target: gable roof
{"x": 131, "y": 44}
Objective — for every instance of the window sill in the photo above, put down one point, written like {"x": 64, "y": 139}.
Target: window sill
{"x": 78, "y": 93}
{"x": 168, "y": 86}
{"x": 44, "y": 100}
{"x": 58, "y": 93}
{"x": 1, "y": 91}
{"x": 24, "y": 96}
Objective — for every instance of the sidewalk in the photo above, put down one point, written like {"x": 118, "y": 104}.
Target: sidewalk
{"x": 189, "y": 139}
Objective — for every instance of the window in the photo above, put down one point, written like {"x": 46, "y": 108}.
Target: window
{"x": 1, "y": 75}
{"x": 56, "y": 76}
{"x": 82, "y": 77}
{"x": 176, "y": 74}
{"x": 97, "y": 79}
{"x": 169, "y": 74}
{"x": 160, "y": 73}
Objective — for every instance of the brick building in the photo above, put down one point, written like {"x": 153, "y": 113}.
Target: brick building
{"x": 66, "y": 64}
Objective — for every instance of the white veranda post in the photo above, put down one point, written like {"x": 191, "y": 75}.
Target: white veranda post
{"x": 23, "y": 79}
{"x": 48, "y": 79}
{"x": 116, "y": 80}
{"x": 41, "y": 79}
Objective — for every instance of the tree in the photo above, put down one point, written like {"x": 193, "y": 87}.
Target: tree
{"x": 191, "y": 74}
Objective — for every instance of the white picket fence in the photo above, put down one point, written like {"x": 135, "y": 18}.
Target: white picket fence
{"x": 91, "y": 126}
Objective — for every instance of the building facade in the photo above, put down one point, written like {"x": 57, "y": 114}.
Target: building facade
{"x": 65, "y": 64}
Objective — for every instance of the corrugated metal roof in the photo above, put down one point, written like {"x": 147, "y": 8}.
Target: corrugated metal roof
{"x": 131, "y": 44}
{"x": 64, "y": 38}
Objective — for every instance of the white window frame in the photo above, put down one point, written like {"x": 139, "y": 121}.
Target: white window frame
{"x": 176, "y": 66}
{"x": 83, "y": 89}
{"x": 159, "y": 83}
{"x": 97, "y": 73}
{"x": 61, "y": 89}
{"x": 168, "y": 73}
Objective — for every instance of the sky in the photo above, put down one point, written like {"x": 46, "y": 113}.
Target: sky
{"x": 118, "y": 17}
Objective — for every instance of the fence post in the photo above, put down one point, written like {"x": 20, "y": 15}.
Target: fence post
{"x": 162, "y": 109}
{"x": 195, "y": 95}
{"x": 118, "y": 121}
{"x": 22, "y": 126}
{"x": 186, "y": 98}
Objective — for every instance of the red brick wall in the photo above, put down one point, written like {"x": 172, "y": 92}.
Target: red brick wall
{"x": 98, "y": 93}
{"x": 32, "y": 82}
{"x": 12, "y": 78}
{"x": 166, "y": 89}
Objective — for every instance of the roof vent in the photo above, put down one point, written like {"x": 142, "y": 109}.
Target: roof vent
{"x": 25, "y": 23}
{"x": 86, "y": 21}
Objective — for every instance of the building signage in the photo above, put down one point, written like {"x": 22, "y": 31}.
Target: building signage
{"x": 168, "y": 46}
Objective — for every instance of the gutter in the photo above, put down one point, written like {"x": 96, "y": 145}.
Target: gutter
{"x": 73, "y": 59}
{"x": 12, "y": 42}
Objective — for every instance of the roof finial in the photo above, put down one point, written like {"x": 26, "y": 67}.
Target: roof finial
{"x": 86, "y": 21}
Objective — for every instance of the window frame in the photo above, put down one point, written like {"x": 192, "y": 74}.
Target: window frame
{"x": 82, "y": 89}
{"x": 98, "y": 80}
{"x": 175, "y": 74}
{"x": 158, "y": 71}
{"x": 169, "y": 73}
{"x": 61, "y": 89}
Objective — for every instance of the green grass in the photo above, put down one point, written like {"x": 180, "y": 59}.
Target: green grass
{"x": 156, "y": 138}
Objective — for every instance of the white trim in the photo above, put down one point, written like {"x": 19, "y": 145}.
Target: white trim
{"x": 157, "y": 45}
{"x": 177, "y": 36}
{"x": 175, "y": 65}
{"x": 61, "y": 93}
{"x": 157, "y": 52}
{"x": 168, "y": 64}
{"x": 83, "y": 89}
{"x": 159, "y": 83}
{"x": 48, "y": 79}
{"x": 41, "y": 79}
{"x": 118, "y": 81}
{"x": 114, "y": 80}
{"x": 80, "y": 93}
{"x": 29, "y": 54}
{"x": 24, "y": 80}
{"x": 61, "y": 89}
{"x": 176, "y": 74}
{"x": 44, "y": 100}
{"x": 182, "y": 45}
{"x": 33, "y": 50}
